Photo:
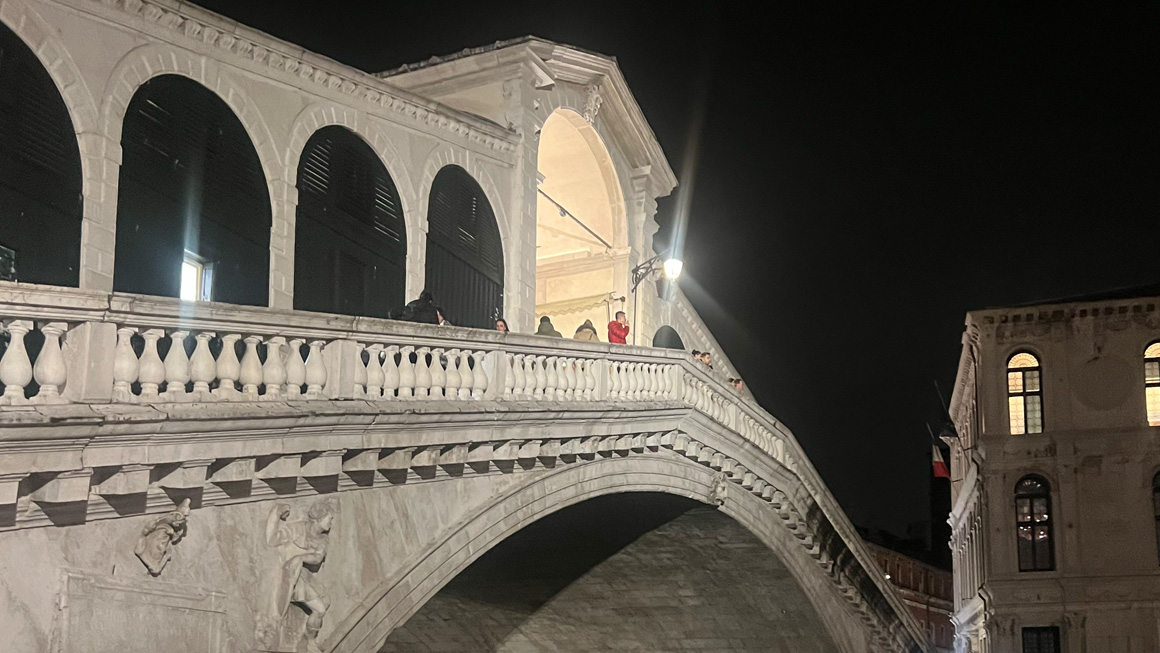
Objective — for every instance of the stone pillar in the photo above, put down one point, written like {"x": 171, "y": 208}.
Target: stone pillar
{"x": 89, "y": 351}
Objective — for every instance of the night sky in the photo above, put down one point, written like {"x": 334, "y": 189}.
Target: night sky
{"x": 863, "y": 180}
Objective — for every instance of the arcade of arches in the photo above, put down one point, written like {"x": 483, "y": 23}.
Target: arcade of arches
{"x": 581, "y": 231}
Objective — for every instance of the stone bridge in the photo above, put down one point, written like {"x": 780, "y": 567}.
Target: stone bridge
{"x": 429, "y": 445}
{"x": 243, "y": 469}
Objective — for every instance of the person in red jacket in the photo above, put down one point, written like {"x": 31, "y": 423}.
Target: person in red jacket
{"x": 618, "y": 329}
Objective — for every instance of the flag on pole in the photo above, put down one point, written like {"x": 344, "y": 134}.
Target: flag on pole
{"x": 940, "y": 466}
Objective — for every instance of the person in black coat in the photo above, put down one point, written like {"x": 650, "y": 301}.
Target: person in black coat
{"x": 420, "y": 310}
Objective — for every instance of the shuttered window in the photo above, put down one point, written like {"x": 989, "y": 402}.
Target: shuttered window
{"x": 40, "y": 170}
{"x": 190, "y": 181}
{"x": 464, "y": 251}
{"x": 350, "y": 243}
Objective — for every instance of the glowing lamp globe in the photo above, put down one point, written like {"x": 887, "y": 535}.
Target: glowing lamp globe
{"x": 673, "y": 268}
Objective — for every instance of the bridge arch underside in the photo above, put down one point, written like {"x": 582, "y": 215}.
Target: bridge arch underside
{"x": 826, "y": 622}
{"x": 632, "y": 571}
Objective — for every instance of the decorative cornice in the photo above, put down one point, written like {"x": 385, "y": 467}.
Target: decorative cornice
{"x": 320, "y": 72}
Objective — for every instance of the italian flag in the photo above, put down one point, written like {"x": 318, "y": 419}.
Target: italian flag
{"x": 940, "y": 466}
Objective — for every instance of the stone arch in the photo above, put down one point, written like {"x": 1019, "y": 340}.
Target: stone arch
{"x": 444, "y": 155}
{"x": 156, "y": 59}
{"x": 582, "y": 256}
{"x": 96, "y": 271}
{"x": 391, "y": 603}
{"x": 328, "y": 114}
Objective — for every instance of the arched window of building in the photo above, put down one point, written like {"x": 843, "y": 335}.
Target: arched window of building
{"x": 350, "y": 244}
{"x": 1024, "y": 394}
{"x": 464, "y": 251}
{"x": 1156, "y": 507}
{"x": 1152, "y": 382}
{"x": 40, "y": 171}
{"x": 193, "y": 211}
{"x": 1033, "y": 524}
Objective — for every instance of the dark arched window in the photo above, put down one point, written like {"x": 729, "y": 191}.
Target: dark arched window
{"x": 464, "y": 252}
{"x": 40, "y": 171}
{"x": 1024, "y": 394}
{"x": 193, "y": 211}
{"x": 668, "y": 338}
{"x": 350, "y": 244}
{"x": 1033, "y": 524}
{"x": 1152, "y": 383}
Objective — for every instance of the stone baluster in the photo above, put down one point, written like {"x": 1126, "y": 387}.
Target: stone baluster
{"x": 251, "y": 372}
{"x": 541, "y": 377}
{"x": 202, "y": 366}
{"x": 570, "y": 378}
{"x": 390, "y": 373}
{"x": 176, "y": 366}
{"x": 658, "y": 380}
{"x": 50, "y": 370}
{"x": 438, "y": 376}
{"x": 406, "y": 373}
{"x": 15, "y": 367}
{"x": 480, "y": 381}
{"x": 125, "y": 366}
{"x": 649, "y": 370}
{"x": 514, "y": 384}
{"x": 228, "y": 367}
{"x": 614, "y": 387}
{"x": 152, "y": 370}
{"x": 666, "y": 381}
{"x": 589, "y": 379}
{"x": 626, "y": 380}
{"x": 295, "y": 368}
{"x": 359, "y": 370}
{"x": 466, "y": 374}
{"x": 375, "y": 376}
{"x": 529, "y": 390}
{"x": 454, "y": 379}
{"x": 551, "y": 379}
{"x": 315, "y": 370}
{"x": 274, "y": 369}
{"x": 422, "y": 373}
{"x": 636, "y": 382}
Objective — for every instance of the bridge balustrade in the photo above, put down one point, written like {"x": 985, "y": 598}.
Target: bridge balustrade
{"x": 75, "y": 346}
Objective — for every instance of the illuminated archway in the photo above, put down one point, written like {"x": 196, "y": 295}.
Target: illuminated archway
{"x": 581, "y": 231}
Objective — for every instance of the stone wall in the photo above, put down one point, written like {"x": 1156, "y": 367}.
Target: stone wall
{"x": 700, "y": 582}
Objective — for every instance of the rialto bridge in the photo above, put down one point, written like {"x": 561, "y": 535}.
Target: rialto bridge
{"x": 212, "y": 440}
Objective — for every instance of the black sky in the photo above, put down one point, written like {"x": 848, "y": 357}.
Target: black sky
{"x": 864, "y": 179}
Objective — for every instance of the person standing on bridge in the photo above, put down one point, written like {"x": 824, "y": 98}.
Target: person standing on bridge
{"x": 586, "y": 332}
{"x": 618, "y": 329}
{"x": 546, "y": 328}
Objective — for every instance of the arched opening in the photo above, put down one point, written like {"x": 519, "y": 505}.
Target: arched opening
{"x": 350, "y": 244}
{"x": 193, "y": 210}
{"x": 40, "y": 172}
{"x": 668, "y": 338}
{"x": 464, "y": 252}
{"x": 640, "y": 571}
{"x": 581, "y": 232}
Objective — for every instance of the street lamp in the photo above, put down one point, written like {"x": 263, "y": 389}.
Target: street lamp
{"x": 669, "y": 268}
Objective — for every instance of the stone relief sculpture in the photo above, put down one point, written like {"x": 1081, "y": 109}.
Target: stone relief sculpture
{"x": 155, "y": 546}
{"x": 301, "y": 550}
{"x": 720, "y": 489}
{"x": 592, "y": 102}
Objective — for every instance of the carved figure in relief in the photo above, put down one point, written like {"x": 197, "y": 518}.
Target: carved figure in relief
{"x": 155, "y": 546}
{"x": 301, "y": 547}
{"x": 720, "y": 489}
{"x": 592, "y": 102}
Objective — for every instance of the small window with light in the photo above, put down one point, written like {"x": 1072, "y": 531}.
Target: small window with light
{"x": 196, "y": 277}
{"x": 1024, "y": 394}
{"x": 1152, "y": 382}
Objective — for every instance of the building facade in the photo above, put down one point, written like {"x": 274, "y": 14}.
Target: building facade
{"x": 926, "y": 591}
{"x": 1056, "y": 493}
